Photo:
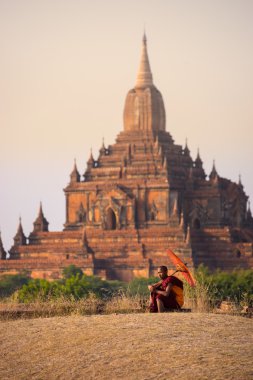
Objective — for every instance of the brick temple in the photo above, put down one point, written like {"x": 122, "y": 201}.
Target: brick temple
{"x": 142, "y": 195}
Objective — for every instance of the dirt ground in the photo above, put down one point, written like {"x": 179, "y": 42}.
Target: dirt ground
{"x": 133, "y": 347}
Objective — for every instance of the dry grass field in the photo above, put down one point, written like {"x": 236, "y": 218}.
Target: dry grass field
{"x": 128, "y": 346}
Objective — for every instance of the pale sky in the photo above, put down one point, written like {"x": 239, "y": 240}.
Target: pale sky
{"x": 66, "y": 67}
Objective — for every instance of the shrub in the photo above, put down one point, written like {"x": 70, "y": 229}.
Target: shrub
{"x": 71, "y": 271}
{"x": 140, "y": 286}
{"x": 227, "y": 285}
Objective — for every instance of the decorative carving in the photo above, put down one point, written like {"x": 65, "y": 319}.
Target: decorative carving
{"x": 226, "y": 206}
{"x": 81, "y": 214}
{"x": 199, "y": 214}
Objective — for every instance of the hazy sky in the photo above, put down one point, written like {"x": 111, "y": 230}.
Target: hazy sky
{"x": 66, "y": 67}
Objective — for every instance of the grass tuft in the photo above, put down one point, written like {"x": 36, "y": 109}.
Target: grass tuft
{"x": 123, "y": 303}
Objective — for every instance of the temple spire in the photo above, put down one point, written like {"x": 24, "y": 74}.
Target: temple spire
{"x": 186, "y": 149}
{"x": 40, "y": 224}
{"x": 213, "y": 175}
{"x": 198, "y": 167}
{"x": 40, "y": 215}
{"x": 91, "y": 161}
{"x": 19, "y": 238}
{"x": 144, "y": 77}
{"x": 240, "y": 180}
{"x": 198, "y": 161}
{"x": 102, "y": 150}
{"x": 74, "y": 175}
{"x": 2, "y": 251}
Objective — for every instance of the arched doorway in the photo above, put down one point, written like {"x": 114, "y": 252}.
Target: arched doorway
{"x": 238, "y": 253}
{"x": 110, "y": 219}
{"x": 152, "y": 216}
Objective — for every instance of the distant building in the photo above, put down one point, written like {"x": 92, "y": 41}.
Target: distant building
{"x": 142, "y": 195}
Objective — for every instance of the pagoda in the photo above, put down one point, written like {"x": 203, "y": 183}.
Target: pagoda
{"x": 140, "y": 196}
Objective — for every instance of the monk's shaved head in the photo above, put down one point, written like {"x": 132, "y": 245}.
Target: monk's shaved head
{"x": 162, "y": 272}
{"x": 162, "y": 268}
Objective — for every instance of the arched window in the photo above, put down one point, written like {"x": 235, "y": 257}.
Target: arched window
{"x": 110, "y": 219}
{"x": 196, "y": 224}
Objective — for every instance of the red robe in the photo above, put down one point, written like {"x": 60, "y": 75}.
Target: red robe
{"x": 175, "y": 298}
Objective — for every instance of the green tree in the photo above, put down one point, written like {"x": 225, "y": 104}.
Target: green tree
{"x": 10, "y": 283}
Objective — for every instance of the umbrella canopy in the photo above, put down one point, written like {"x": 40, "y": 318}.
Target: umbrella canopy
{"x": 181, "y": 267}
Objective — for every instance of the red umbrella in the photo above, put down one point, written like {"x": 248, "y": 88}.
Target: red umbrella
{"x": 181, "y": 267}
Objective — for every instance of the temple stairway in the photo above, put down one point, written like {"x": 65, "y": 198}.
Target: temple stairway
{"x": 136, "y": 251}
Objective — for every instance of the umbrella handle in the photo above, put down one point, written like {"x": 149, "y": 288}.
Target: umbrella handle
{"x": 174, "y": 272}
{"x": 178, "y": 270}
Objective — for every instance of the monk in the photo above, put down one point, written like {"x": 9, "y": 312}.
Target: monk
{"x": 166, "y": 294}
